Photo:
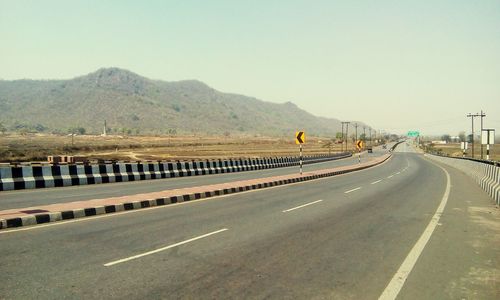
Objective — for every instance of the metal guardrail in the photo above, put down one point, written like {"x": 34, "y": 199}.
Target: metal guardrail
{"x": 486, "y": 174}
{"x": 489, "y": 162}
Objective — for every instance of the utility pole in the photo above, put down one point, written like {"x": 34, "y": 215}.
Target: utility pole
{"x": 356, "y": 126}
{"x": 371, "y": 143}
{"x": 472, "y": 116}
{"x": 364, "y": 133}
{"x": 346, "y": 134}
{"x": 482, "y": 115}
{"x": 342, "y": 137}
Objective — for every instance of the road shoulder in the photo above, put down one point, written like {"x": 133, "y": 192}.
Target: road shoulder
{"x": 462, "y": 259}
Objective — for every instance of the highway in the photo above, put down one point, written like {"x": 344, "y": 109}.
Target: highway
{"x": 29, "y": 198}
{"x": 342, "y": 237}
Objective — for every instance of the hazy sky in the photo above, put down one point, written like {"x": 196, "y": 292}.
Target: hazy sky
{"x": 397, "y": 65}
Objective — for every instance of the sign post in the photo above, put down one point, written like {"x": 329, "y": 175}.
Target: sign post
{"x": 464, "y": 146}
{"x": 300, "y": 159}
{"x": 488, "y": 138}
{"x": 359, "y": 145}
{"x": 300, "y": 138}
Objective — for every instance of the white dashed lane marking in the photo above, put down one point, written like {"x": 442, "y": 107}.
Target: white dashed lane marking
{"x": 349, "y": 191}
{"x": 303, "y": 205}
{"x": 162, "y": 249}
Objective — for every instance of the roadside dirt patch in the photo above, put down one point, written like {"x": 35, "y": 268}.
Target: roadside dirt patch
{"x": 36, "y": 147}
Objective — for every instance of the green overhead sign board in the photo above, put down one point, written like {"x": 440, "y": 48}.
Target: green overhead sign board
{"x": 413, "y": 133}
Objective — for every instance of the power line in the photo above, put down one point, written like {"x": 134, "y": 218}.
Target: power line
{"x": 430, "y": 124}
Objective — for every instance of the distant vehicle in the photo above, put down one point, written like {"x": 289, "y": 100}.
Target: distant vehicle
{"x": 370, "y": 149}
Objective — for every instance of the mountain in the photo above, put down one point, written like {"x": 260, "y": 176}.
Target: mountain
{"x": 129, "y": 102}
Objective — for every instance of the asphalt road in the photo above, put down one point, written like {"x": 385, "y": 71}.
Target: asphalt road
{"x": 342, "y": 237}
{"x": 28, "y": 198}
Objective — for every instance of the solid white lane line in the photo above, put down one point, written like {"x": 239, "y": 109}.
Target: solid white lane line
{"x": 397, "y": 282}
{"x": 347, "y": 192}
{"x": 390, "y": 176}
{"x": 162, "y": 249}
{"x": 398, "y": 173}
{"x": 303, "y": 205}
{"x": 375, "y": 182}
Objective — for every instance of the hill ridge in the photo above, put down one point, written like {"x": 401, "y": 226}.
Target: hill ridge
{"x": 130, "y": 102}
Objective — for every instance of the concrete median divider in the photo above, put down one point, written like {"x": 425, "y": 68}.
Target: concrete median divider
{"x": 65, "y": 211}
{"x": 32, "y": 177}
{"x": 485, "y": 174}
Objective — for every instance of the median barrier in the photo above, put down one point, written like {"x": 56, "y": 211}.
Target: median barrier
{"x": 78, "y": 209}
{"x": 486, "y": 174}
{"x": 32, "y": 177}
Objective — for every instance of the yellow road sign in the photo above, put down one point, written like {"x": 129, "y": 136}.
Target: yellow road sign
{"x": 359, "y": 144}
{"x": 300, "y": 137}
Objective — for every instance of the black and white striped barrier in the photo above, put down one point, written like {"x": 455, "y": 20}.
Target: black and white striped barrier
{"x": 32, "y": 177}
{"x": 485, "y": 174}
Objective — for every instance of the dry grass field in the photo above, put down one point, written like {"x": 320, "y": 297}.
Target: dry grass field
{"x": 36, "y": 147}
{"x": 453, "y": 149}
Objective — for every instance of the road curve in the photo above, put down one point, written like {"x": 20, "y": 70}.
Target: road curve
{"x": 336, "y": 238}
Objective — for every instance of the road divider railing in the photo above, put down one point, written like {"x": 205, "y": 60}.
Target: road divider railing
{"x": 33, "y": 177}
{"x": 486, "y": 174}
{"x": 65, "y": 211}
